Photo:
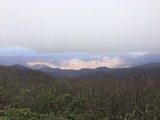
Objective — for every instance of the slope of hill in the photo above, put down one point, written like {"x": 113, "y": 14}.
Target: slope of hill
{"x": 21, "y": 67}
{"x": 147, "y": 71}
{"x": 31, "y": 94}
{"x": 19, "y": 72}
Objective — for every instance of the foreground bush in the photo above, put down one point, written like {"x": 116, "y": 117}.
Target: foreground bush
{"x": 25, "y": 114}
{"x": 49, "y": 107}
{"x": 65, "y": 105}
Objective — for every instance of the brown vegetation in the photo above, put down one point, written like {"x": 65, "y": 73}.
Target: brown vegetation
{"x": 135, "y": 98}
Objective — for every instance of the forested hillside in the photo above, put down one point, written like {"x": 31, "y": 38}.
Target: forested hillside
{"x": 27, "y": 94}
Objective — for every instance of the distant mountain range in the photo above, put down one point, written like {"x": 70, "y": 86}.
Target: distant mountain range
{"x": 64, "y": 60}
{"x": 59, "y": 73}
{"x": 147, "y": 71}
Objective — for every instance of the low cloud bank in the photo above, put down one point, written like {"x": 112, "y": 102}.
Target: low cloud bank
{"x": 116, "y": 62}
{"x": 78, "y": 64}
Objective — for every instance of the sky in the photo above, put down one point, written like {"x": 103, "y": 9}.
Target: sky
{"x": 88, "y": 26}
{"x": 76, "y": 34}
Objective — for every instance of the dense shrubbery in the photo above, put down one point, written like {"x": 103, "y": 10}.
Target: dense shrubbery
{"x": 51, "y": 99}
{"x": 47, "y": 107}
{"x": 64, "y": 110}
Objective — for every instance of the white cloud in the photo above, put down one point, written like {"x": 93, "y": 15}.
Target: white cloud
{"x": 137, "y": 54}
{"x": 116, "y": 62}
{"x": 78, "y": 64}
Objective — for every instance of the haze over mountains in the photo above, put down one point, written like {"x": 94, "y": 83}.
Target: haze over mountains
{"x": 76, "y": 61}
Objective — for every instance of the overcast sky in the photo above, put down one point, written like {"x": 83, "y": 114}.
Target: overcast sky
{"x": 58, "y": 26}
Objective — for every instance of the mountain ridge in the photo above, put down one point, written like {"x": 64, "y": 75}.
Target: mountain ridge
{"x": 100, "y": 71}
{"x": 150, "y": 69}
